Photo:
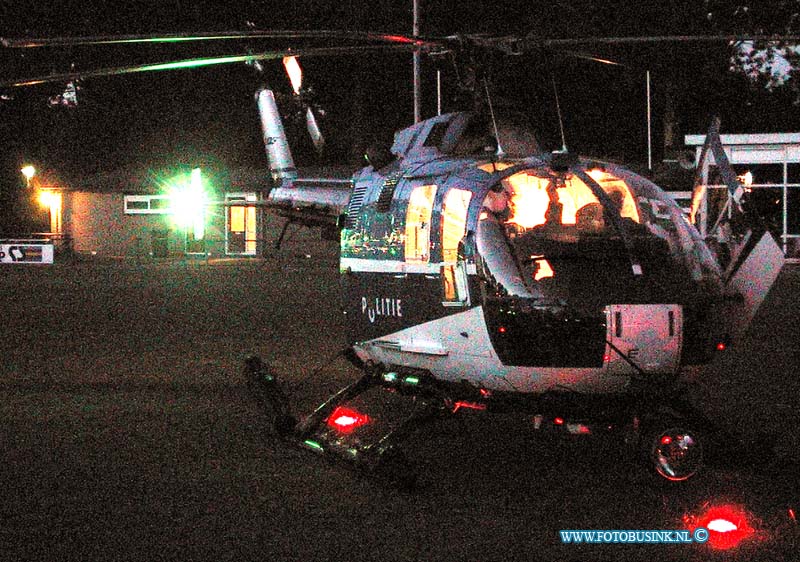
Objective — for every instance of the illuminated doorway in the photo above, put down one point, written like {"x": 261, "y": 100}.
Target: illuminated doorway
{"x": 52, "y": 202}
{"x": 240, "y": 228}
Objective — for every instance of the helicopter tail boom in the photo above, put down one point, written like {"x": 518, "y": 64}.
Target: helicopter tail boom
{"x": 311, "y": 202}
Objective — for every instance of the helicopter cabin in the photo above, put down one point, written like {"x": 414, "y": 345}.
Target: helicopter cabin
{"x": 542, "y": 244}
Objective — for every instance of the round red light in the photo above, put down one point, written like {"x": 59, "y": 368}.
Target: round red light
{"x": 345, "y": 419}
{"x": 721, "y": 346}
{"x": 666, "y": 440}
{"x": 727, "y": 526}
{"x": 558, "y": 421}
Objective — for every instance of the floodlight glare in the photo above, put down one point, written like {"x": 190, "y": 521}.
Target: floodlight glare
{"x": 189, "y": 204}
{"x": 28, "y": 171}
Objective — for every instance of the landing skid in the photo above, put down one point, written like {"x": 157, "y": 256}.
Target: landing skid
{"x": 364, "y": 424}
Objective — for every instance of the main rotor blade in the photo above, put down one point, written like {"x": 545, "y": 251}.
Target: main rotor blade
{"x": 36, "y": 42}
{"x": 200, "y": 62}
{"x": 511, "y": 44}
{"x": 591, "y": 58}
{"x": 529, "y": 42}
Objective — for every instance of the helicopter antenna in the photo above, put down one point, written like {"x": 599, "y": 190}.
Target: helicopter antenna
{"x": 500, "y": 151}
{"x": 560, "y": 117}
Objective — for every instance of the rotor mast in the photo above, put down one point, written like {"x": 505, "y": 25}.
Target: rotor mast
{"x": 417, "y": 77}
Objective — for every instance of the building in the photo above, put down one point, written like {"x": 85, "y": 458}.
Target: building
{"x": 769, "y": 167}
{"x": 125, "y": 214}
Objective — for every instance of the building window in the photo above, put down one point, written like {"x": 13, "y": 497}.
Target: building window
{"x": 241, "y": 233}
{"x": 148, "y": 204}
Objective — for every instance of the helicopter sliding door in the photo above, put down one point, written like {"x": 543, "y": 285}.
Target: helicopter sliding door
{"x": 389, "y": 279}
{"x": 750, "y": 278}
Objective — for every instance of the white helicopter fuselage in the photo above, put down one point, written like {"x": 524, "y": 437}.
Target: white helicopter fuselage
{"x": 496, "y": 272}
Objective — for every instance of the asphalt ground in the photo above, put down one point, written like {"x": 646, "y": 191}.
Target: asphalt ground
{"x": 127, "y": 432}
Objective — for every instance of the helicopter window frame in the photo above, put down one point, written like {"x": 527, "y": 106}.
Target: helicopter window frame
{"x": 436, "y": 134}
{"x": 419, "y": 213}
{"x": 455, "y": 287}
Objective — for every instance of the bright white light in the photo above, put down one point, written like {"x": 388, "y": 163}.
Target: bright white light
{"x": 746, "y": 179}
{"x": 345, "y": 421}
{"x": 189, "y": 205}
{"x": 295, "y": 73}
{"x": 721, "y": 526}
{"x": 48, "y": 198}
{"x": 28, "y": 171}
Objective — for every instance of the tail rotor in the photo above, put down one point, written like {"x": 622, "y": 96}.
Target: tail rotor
{"x": 295, "y": 73}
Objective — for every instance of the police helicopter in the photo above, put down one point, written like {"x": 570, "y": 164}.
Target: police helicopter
{"x": 481, "y": 273}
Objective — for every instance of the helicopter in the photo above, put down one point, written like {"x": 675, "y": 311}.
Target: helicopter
{"x": 480, "y": 273}
{"x": 568, "y": 288}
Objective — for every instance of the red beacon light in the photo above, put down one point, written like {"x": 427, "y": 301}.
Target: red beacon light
{"x": 727, "y": 526}
{"x": 346, "y": 420}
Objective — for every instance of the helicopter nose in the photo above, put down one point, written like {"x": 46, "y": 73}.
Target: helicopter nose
{"x": 643, "y": 338}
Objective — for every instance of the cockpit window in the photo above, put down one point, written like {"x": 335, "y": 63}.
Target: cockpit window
{"x": 618, "y": 191}
{"x": 553, "y": 235}
{"x": 526, "y": 200}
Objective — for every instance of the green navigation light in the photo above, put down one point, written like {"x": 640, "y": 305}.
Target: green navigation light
{"x": 313, "y": 445}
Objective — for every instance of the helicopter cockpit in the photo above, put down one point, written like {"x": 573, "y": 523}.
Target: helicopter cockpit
{"x": 557, "y": 247}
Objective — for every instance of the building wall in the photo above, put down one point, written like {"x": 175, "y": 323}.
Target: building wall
{"x": 98, "y": 225}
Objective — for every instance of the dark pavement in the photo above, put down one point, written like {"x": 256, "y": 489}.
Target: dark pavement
{"x": 127, "y": 432}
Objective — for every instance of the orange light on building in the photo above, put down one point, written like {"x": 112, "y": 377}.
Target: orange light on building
{"x": 45, "y": 198}
{"x": 53, "y": 202}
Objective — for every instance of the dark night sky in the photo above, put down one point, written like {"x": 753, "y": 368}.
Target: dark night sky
{"x": 208, "y": 116}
